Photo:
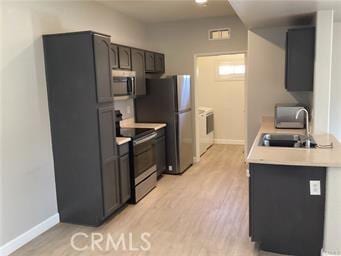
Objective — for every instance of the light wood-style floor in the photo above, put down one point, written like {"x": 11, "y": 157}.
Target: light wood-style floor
{"x": 203, "y": 212}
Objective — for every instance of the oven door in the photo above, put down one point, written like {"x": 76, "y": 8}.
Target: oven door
{"x": 144, "y": 157}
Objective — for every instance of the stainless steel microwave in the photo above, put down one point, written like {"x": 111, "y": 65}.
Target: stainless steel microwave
{"x": 124, "y": 83}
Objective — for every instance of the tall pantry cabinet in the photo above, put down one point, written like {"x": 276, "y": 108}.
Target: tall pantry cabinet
{"x": 79, "y": 84}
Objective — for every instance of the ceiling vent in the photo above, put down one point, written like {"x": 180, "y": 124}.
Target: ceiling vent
{"x": 219, "y": 34}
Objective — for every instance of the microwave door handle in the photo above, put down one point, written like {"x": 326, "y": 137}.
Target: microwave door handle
{"x": 133, "y": 82}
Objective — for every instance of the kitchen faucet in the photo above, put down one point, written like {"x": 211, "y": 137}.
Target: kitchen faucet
{"x": 307, "y": 133}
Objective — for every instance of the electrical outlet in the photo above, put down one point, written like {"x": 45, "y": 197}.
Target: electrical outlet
{"x": 170, "y": 168}
{"x": 315, "y": 188}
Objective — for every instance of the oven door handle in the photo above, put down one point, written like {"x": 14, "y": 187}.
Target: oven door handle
{"x": 144, "y": 139}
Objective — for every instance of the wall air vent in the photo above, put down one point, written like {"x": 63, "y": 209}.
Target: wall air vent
{"x": 219, "y": 34}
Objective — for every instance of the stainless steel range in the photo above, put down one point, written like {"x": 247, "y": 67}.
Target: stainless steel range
{"x": 142, "y": 160}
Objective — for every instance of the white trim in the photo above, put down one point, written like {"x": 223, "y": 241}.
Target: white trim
{"x": 29, "y": 235}
{"x": 195, "y": 96}
{"x": 324, "y": 253}
{"x": 195, "y": 160}
{"x": 229, "y": 141}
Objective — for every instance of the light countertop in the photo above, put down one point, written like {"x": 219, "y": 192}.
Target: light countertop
{"x": 295, "y": 156}
{"x": 155, "y": 126}
{"x": 122, "y": 140}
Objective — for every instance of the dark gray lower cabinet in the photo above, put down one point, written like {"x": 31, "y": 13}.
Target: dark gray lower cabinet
{"x": 111, "y": 182}
{"x": 160, "y": 151}
{"x": 125, "y": 189}
{"x": 284, "y": 217}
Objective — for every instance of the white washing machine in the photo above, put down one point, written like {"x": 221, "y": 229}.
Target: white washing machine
{"x": 206, "y": 128}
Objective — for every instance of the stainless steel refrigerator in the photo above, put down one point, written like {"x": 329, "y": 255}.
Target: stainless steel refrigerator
{"x": 168, "y": 100}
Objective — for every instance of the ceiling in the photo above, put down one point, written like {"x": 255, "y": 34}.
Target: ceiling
{"x": 154, "y": 11}
{"x": 262, "y": 13}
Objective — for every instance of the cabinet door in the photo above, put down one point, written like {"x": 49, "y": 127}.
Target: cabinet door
{"x": 102, "y": 68}
{"x": 111, "y": 186}
{"x": 107, "y": 130}
{"x": 160, "y": 152}
{"x": 150, "y": 61}
{"x": 300, "y": 56}
{"x": 110, "y": 170}
{"x": 286, "y": 218}
{"x": 138, "y": 65}
{"x": 159, "y": 63}
{"x": 124, "y": 57}
{"x": 114, "y": 56}
{"x": 125, "y": 178}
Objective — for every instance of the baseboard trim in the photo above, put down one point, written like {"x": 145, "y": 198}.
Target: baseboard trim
{"x": 324, "y": 253}
{"x": 29, "y": 235}
{"x": 229, "y": 141}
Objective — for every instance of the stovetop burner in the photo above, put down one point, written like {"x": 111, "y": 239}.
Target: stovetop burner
{"x": 135, "y": 133}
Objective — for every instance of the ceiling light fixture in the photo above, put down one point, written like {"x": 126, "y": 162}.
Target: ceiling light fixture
{"x": 201, "y": 2}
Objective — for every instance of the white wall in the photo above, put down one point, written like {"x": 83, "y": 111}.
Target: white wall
{"x": 322, "y": 74}
{"x": 265, "y": 77}
{"x": 335, "y": 111}
{"x": 333, "y": 203}
{"x": 226, "y": 97}
{"x": 28, "y": 188}
{"x": 182, "y": 40}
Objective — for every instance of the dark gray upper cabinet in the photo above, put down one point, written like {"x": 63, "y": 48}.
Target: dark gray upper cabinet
{"x": 138, "y": 65}
{"x": 78, "y": 78}
{"x": 150, "y": 61}
{"x": 284, "y": 216}
{"x": 103, "y": 68}
{"x": 114, "y": 56}
{"x": 300, "y": 55}
{"x": 124, "y": 57}
{"x": 159, "y": 63}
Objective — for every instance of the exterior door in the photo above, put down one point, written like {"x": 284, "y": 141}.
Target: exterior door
{"x": 102, "y": 68}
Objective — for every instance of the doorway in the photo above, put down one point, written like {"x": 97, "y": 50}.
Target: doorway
{"x": 219, "y": 90}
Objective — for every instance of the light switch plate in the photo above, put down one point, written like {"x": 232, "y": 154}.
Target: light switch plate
{"x": 315, "y": 188}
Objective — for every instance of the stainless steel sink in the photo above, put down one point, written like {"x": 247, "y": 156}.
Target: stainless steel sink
{"x": 284, "y": 140}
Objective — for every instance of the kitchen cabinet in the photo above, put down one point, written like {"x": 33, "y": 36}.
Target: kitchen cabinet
{"x": 300, "y": 55}
{"x": 103, "y": 68}
{"x": 124, "y": 56}
{"x": 138, "y": 65}
{"x": 114, "y": 56}
{"x": 155, "y": 62}
{"x": 159, "y": 63}
{"x": 284, "y": 217}
{"x": 160, "y": 151}
{"x": 125, "y": 181}
{"x": 150, "y": 61}
{"x": 81, "y": 107}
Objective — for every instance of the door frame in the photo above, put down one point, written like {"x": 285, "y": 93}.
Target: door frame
{"x": 196, "y": 157}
